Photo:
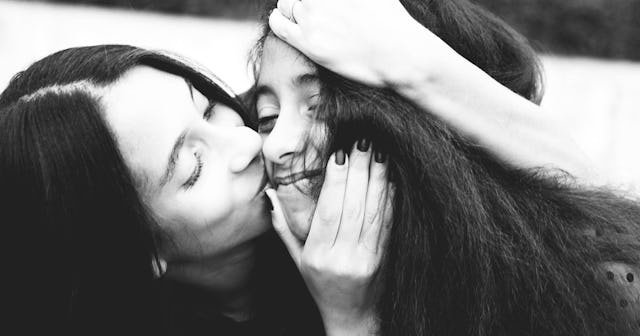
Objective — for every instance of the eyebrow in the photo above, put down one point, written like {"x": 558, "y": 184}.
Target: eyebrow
{"x": 303, "y": 79}
{"x": 173, "y": 157}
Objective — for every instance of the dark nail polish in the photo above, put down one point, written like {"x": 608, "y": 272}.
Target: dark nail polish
{"x": 340, "y": 157}
{"x": 363, "y": 145}
{"x": 379, "y": 157}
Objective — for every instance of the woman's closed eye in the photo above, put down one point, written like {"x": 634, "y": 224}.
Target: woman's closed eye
{"x": 195, "y": 174}
{"x": 209, "y": 111}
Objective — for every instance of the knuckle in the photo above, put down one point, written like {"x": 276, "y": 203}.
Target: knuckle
{"x": 326, "y": 215}
{"x": 336, "y": 175}
{"x": 337, "y": 178}
{"x": 379, "y": 171}
{"x": 353, "y": 212}
{"x": 327, "y": 209}
{"x": 371, "y": 217}
{"x": 282, "y": 5}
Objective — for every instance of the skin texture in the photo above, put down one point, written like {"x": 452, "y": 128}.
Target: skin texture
{"x": 337, "y": 243}
{"x": 212, "y": 207}
{"x": 288, "y": 90}
{"x": 213, "y": 221}
{"x": 220, "y": 210}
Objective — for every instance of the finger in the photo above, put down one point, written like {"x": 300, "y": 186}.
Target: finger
{"x": 386, "y": 222}
{"x": 326, "y": 219}
{"x": 356, "y": 194}
{"x": 285, "y": 29}
{"x": 296, "y": 11}
{"x": 376, "y": 201}
{"x": 286, "y": 7}
{"x": 294, "y": 246}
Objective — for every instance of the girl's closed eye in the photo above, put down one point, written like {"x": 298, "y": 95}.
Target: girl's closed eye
{"x": 268, "y": 113}
{"x": 195, "y": 175}
{"x": 312, "y": 102}
{"x": 311, "y": 105}
{"x": 266, "y": 124}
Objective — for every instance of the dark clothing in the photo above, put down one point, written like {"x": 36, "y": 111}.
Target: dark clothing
{"x": 283, "y": 304}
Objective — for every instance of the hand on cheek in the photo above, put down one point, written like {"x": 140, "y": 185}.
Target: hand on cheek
{"x": 342, "y": 253}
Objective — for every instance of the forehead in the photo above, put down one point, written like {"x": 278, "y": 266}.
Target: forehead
{"x": 280, "y": 61}
{"x": 147, "y": 109}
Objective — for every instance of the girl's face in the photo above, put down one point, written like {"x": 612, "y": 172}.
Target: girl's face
{"x": 197, "y": 166}
{"x": 288, "y": 90}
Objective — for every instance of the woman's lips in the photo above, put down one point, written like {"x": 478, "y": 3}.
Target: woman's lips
{"x": 295, "y": 177}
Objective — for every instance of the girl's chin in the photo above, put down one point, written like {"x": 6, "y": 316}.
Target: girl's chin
{"x": 298, "y": 209}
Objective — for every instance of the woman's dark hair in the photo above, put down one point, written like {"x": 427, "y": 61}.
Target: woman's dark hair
{"x": 479, "y": 247}
{"x": 86, "y": 245}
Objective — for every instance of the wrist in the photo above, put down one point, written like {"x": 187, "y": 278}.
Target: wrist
{"x": 410, "y": 59}
{"x": 421, "y": 69}
{"x": 362, "y": 325}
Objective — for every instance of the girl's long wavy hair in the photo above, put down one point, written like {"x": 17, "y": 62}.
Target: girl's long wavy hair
{"x": 479, "y": 247}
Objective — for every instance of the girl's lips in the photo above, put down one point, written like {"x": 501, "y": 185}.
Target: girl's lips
{"x": 295, "y": 177}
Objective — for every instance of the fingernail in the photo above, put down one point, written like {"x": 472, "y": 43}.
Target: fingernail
{"x": 268, "y": 201}
{"x": 340, "y": 158}
{"x": 363, "y": 145}
{"x": 380, "y": 157}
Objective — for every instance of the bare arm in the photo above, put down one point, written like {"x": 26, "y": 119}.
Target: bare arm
{"x": 377, "y": 42}
{"x": 514, "y": 129}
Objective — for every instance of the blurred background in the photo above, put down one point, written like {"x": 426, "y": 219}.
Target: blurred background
{"x": 590, "y": 51}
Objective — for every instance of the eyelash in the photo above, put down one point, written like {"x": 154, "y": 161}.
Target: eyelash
{"x": 209, "y": 111}
{"x": 266, "y": 124}
{"x": 196, "y": 173}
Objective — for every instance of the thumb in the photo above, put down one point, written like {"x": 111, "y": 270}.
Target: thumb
{"x": 294, "y": 246}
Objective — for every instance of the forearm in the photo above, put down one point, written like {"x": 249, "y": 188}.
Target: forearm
{"x": 514, "y": 129}
{"x": 405, "y": 55}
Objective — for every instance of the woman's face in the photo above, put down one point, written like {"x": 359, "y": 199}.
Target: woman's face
{"x": 198, "y": 167}
{"x": 288, "y": 91}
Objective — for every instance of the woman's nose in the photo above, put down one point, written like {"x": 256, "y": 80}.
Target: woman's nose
{"x": 283, "y": 143}
{"x": 241, "y": 146}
